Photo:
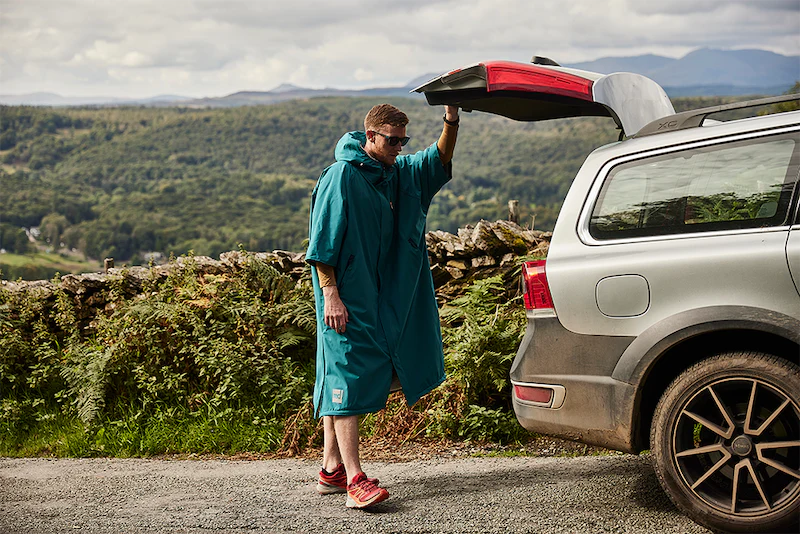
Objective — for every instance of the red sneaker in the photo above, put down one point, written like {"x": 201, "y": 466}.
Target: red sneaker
{"x": 363, "y": 492}
{"x": 335, "y": 481}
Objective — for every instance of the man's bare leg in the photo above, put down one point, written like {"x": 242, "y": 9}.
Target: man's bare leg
{"x": 365, "y": 492}
{"x": 346, "y": 431}
{"x": 331, "y": 457}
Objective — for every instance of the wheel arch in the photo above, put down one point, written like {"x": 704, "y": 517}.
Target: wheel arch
{"x": 666, "y": 349}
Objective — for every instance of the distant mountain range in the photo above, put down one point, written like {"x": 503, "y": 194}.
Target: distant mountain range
{"x": 53, "y": 99}
{"x": 708, "y": 72}
{"x": 703, "y": 72}
{"x": 286, "y": 92}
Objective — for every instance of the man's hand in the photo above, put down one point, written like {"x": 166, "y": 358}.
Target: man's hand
{"x": 451, "y": 113}
{"x": 336, "y": 315}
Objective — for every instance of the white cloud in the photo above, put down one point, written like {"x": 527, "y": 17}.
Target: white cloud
{"x": 215, "y": 47}
{"x": 363, "y": 75}
{"x": 300, "y": 75}
{"x": 103, "y": 53}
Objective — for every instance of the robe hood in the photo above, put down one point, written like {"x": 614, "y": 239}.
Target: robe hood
{"x": 350, "y": 149}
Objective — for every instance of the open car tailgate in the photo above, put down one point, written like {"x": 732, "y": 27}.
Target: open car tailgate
{"x": 530, "y": 92}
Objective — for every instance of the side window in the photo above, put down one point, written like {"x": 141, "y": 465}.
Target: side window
{"x": 747, "y": 184}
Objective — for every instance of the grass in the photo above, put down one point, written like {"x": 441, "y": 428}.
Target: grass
{"x": 45, "y": 259}
{"x": 58, "y": 436}
{"x": 63, "y": 437}
{"x": 42, "y": 265}
{"x": 11, "y": 169}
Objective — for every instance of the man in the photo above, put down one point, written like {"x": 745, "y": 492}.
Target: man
{"x": 376, "y": 308}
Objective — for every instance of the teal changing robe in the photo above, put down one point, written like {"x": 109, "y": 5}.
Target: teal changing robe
{"x": 368, "y": 222}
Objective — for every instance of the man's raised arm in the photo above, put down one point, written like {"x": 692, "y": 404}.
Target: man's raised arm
{"x": 447, "y": 141}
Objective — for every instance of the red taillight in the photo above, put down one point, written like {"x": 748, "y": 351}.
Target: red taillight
{"x": 510, "y": 76}
{"x": 537, "y": 290}
{"x": 533, "y": 394}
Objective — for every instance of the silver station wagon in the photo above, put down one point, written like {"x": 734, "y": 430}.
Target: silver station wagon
{"x": 667, "y": 314}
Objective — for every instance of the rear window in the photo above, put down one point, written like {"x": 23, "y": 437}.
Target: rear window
{"x": 746, "y": 184}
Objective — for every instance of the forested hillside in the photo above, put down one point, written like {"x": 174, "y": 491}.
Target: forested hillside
{"x": 128, "y": 182}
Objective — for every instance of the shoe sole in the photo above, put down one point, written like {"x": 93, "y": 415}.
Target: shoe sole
{"x": 351, "y": 503}
{"x": 325, "y": 489}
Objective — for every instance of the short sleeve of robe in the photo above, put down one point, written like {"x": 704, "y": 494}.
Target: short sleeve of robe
{"x": 328, "y": 219}
{"x": 428, "y": 173}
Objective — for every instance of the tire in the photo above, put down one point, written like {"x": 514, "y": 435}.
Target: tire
{"x": 708, "y": 462}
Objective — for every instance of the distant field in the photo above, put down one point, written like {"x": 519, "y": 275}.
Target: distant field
{"x": 41, "y": 266}
{"x": 9, "y": 168}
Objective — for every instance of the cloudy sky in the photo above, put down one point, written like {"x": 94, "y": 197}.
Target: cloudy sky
{"x": 141, "y": 48}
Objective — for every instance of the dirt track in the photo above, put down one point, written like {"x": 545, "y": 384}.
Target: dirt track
{"x": 591, "y": 494}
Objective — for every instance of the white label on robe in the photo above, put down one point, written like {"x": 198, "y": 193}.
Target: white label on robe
{"x": 337, "y": 396}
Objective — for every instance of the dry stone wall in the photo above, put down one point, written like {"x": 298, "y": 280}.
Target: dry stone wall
{"x": 486, "y": 249}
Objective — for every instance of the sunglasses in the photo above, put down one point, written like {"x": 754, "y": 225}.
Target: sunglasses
{"x": 393, "y": 139}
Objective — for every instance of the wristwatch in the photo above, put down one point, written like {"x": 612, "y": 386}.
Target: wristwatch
{"x": 451, "y": 123}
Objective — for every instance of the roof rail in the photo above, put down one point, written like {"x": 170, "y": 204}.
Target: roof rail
{"x": 695, "y": 117}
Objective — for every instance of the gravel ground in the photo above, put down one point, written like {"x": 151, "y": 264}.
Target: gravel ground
{"x": 588, "y": 494}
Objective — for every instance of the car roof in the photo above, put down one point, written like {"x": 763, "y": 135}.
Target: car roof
{"x": 696, "y": 117}
{"x": 719, "y": 130}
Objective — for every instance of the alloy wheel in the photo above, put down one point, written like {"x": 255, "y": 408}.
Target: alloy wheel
{"x": 736, "y": 446}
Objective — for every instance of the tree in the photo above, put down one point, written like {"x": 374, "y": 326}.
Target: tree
{"x": 13, "y": 239}
{"x": 52, "y": 227}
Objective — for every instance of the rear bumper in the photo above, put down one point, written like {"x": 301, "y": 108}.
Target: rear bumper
{"x": 595, "y": 411}
{"x": 593, "y": 408}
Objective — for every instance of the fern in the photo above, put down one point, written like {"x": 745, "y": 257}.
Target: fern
{"x": 87, "y": 375}
{"x": 299, "y": 313}
{"x": 481, "y": 331}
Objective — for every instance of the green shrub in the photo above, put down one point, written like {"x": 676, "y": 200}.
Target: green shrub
{"x": 223, "y": 363}
{"x": 481, "y": 331}
{"x": 194, "y": 349}
{"x": 30, "y": 380}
